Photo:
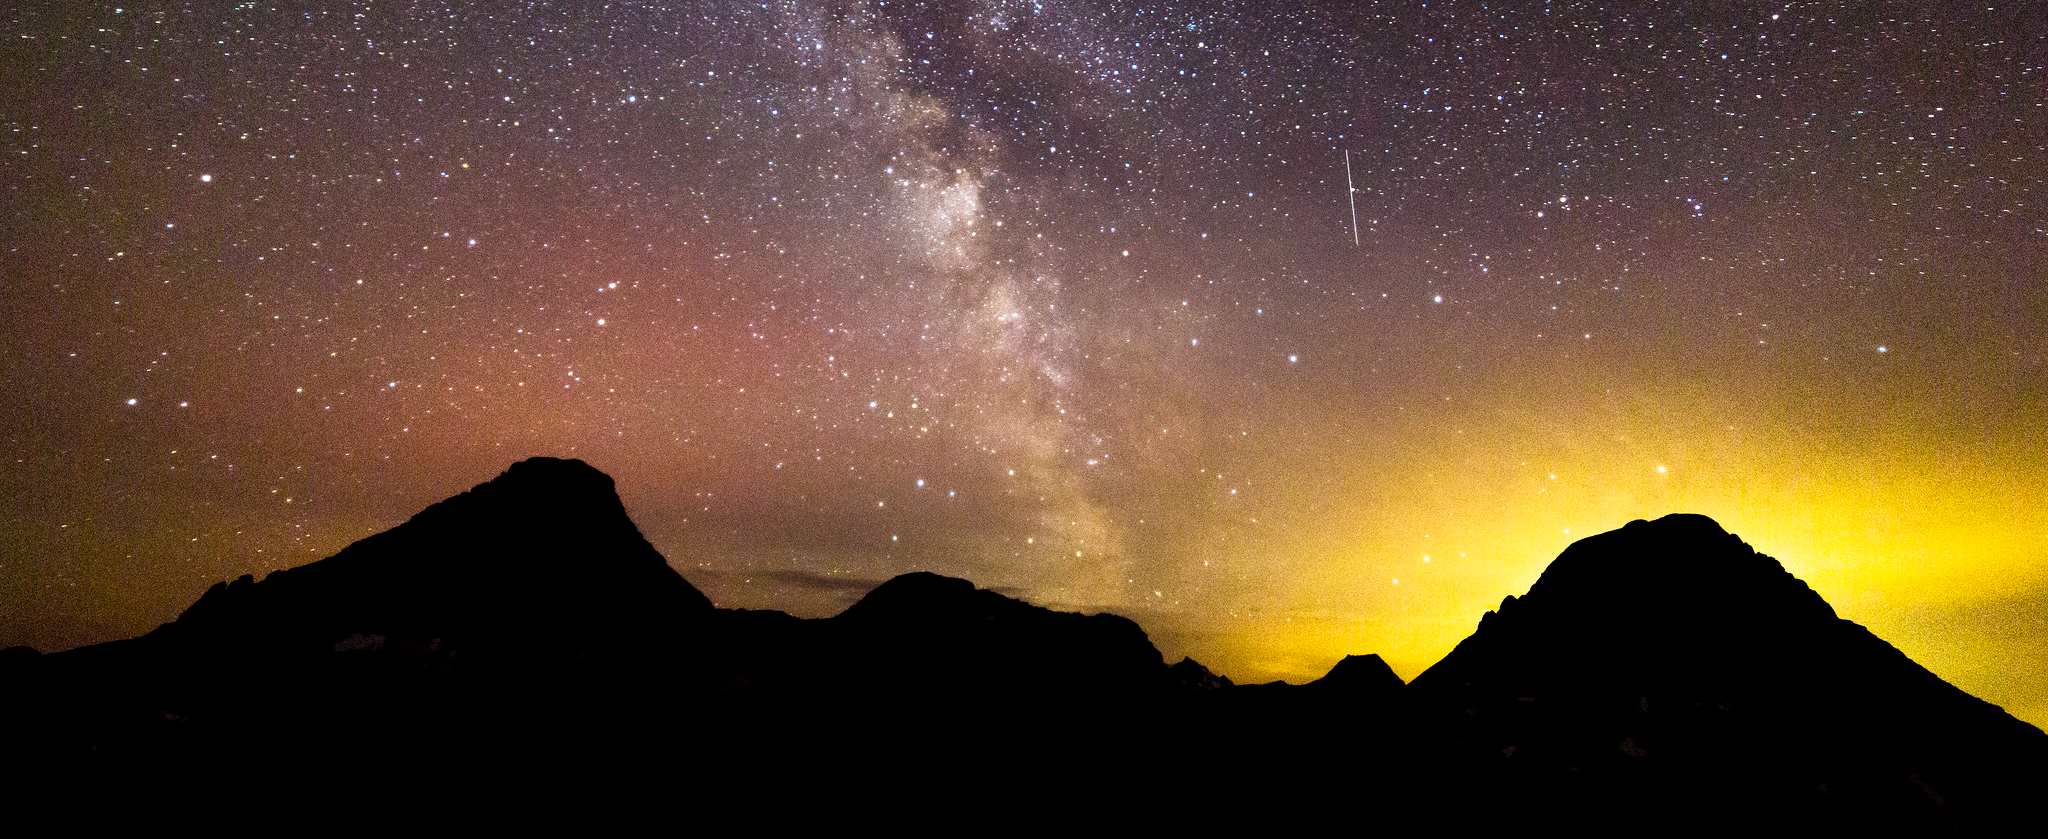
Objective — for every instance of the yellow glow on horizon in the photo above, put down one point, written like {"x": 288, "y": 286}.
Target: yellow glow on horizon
{"x": 1899, "y": 532}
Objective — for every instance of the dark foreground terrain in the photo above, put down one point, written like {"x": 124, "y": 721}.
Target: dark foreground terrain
{"x": 1662, "y": 669}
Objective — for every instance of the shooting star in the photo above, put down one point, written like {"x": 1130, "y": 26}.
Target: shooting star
{"x": 1351, "y": 195}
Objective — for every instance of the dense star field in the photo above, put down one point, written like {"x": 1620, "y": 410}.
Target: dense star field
{"x": 1063, "y": 297}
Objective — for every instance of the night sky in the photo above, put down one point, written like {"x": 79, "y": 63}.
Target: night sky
{"x": 1062, "y": 297}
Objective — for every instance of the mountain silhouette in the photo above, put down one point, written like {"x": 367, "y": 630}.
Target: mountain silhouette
{"x": 1665, "y": 664}
{"x": 1669, "y": 653}
{"x": 925, "y": 638}
{"x": 541, "y": 560}
{"x": 939, "y": 633}
{"x": 1361, "y": 675}
{"x": 1190, "y": 675}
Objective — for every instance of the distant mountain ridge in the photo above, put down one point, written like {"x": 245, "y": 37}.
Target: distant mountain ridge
{"x": 1663, "y": 661}
{"x": 1360, "y": 674}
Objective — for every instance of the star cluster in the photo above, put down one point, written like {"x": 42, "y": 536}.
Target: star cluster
{"x": 1075, "y": 299}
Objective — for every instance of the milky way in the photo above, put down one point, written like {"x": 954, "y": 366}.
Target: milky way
{"x": 1062, "y": 297}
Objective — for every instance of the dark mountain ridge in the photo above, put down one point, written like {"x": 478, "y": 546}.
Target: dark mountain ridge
{"x": 541, "y": 558}
{"x": 1663, "y": 662}
{"x": 1672, "y": 644}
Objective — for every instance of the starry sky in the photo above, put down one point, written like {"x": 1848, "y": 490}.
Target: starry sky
{"x": 1076, "y": 299}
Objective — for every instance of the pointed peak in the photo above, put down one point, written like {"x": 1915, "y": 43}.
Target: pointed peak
{"x": 1366, "y": 672}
